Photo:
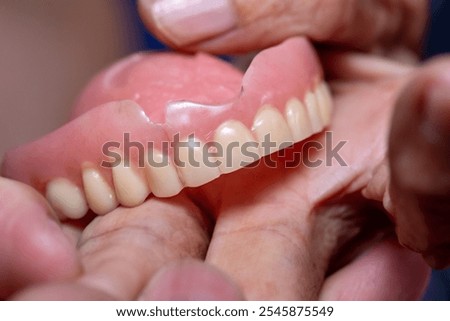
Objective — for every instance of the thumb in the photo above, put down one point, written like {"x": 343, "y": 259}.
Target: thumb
{"x": 233, "y": 26}
{"x": 419, "y": 157}
{"x": 190, "y": 280}
{"x": 33, "y": 248}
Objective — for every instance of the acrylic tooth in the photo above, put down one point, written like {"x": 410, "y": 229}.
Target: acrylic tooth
{"x": 162, "y": 175}
{"x": 298, "y": 120}
{"x": 313, "y": 112}
{"x": 192, "y": 167}
{"x": 234, "y": 138}
{"x": 130, "y": 185}
{"x": 66, "y": 198}
{"x": 99, "y": 194}
{"x": 269, "y": 122}
{"x": 325, "y": 102}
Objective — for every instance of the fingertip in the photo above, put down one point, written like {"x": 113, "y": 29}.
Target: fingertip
{"x": 69, "y": 291}
{"x": 144, "y": 8}
{"x": 222, "y": 26}
{"x": 419, "y": 153}
{"x": 182, "y": 23}
{"x": 32, "y": 245}
{"x": 191, "y": 280}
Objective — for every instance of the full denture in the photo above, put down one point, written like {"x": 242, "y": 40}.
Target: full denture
{"x": 148, "y": 96}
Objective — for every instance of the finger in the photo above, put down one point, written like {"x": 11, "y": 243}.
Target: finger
{"x": 33, "y": 248}
{"x": 65, "y": 291}
{"x": 260, "y": 240}
{"x": 190, "y": 280}
{"x": 186, "y": 280}
{"x": 230, "y": 26}
{"x": 419, "y": 158}
{"x": 384, "y": 272}
{"x": 271, "y": 240}
{"x": 122, "y": 250}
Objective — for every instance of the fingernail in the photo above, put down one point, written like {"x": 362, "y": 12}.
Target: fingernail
{"x": 189, "y": 21}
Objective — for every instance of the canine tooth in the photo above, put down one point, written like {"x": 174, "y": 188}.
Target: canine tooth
{"x": 99, "y": 194}
{"x": 269, "y": 120}
{"x": 325, "y": 102}
{"x": 162, "y": 176}
{"x": 193, "y": 170}
{"x": 130, "y": 186}
{"x": 66, "y": 198}
{"x": 298, "y": 119}
{"x": 231, "y": 136}
{"x": 313, "y": 112}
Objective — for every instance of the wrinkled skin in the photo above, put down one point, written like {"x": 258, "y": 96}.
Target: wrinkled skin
{"x": 274, "y": 233}
{"x": 264, "y": 207}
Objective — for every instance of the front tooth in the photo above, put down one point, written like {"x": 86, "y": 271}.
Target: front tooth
{"x": 298, "y": 119}
{"x": 162, "y": 175}
{"x": 100, "y": 196}
{"x": 131, "y": 187}
{"x": 232, "y": 136}
{"x": 325, "y": 102}
{"x": 269, "y": 121}
{"x": 66, "y": 198}
{"x": 192, "y": 167}
{"x": 313, "y": 112}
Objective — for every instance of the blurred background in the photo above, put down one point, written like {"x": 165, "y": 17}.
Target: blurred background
{"x": 51, "y": 48}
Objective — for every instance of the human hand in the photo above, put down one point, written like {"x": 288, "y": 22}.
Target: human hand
{"x": 120, "y": 253}
{"x": 300, "y": 222}
{"x": 385, "y": 252}
{"x": 237, "y": 26}
{"x": 387, "y": 28}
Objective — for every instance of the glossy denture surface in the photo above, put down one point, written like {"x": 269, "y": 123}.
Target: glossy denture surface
{"x": 149, "y": 97}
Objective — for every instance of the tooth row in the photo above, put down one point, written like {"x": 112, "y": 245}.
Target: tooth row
{"x": 133, "y": 185}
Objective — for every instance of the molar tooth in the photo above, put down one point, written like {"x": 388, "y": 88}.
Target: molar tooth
{"x": 269, "y": 120}
{"x": 99, "y": 194}
{"x": 298, "y": 119}
{"x": 193, "y": 170}
{"x": 313, "y": 112}
{"x": 162, "y": 175}
{"x": 233, "y": 135}
{"x": 325, "y": 102}
{"x": 130, "y": 185}
{"x": 66, "y": 198}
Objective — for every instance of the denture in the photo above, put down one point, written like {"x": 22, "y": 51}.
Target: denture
{"x": 156, "y": 102}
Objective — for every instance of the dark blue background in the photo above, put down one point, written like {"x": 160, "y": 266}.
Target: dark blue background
{"x": 436, "y": 42}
